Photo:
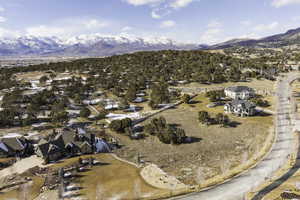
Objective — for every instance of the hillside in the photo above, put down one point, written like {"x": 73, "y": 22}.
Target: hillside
{"x": 291, "y": 37}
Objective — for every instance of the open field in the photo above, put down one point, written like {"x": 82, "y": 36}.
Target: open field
{"x": 30, "y": 76}
{"x": 215, "y": 149}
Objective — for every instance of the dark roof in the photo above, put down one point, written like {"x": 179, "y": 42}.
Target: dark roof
{"x": 53, "y": 149}
{"x": 239, "y": 89}
{"x": 85, "y": 144}
{"x": 243, "y": 103}
{"x": 15, "y": 143}
{"x": 59, "y": 141}
{"x": 44, "y": 148}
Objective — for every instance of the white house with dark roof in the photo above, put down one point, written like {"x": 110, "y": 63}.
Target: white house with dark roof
{"x": 240, "y": 108}
{"x": 13, "y": 145}
{"x": 239, "y": 92}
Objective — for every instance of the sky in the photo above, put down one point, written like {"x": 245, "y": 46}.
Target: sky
{"x": 189, "y": 21}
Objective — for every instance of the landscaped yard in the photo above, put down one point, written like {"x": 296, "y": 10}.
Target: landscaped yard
{"x": 28, "y": 191}
{"x": 116, "y": 180}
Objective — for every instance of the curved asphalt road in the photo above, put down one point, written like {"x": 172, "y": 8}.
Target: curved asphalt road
{"x": 236, "y": 188}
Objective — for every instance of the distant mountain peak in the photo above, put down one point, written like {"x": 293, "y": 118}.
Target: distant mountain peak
{"x": 85, "y": 45}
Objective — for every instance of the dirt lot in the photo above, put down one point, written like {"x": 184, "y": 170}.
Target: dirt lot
{"x": 30, "y": 76}
{"x": 214, "y": 151}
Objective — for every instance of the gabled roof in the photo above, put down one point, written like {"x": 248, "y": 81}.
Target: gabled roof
{"x": 44, "y": 148}
{"x": 85, "y": 143}
{"x": 53, "y": 149}
{"x": 16, "y": 144}
{"x": 3, "y": 147}
{"x": 242, "y": 103}
{"x": 239, "y": 89}
{"x": 59, "y": 141}
{"x": 42, "y": 141}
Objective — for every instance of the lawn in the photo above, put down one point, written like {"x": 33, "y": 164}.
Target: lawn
{"x": 116, "y": 179}
{"x": 25, "y": 191}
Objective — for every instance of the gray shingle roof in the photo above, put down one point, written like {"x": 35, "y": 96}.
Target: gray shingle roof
{"x": 14, "y": 143}
{"x": 239, "y": 89}
{"x": 242, "y": 103}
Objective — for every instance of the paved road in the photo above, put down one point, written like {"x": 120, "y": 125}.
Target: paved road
{"x": 236, "y": 188}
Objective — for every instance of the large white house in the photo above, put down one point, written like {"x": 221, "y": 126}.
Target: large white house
{"x": 240, "y": 108}
{"x": 239, "y": 92}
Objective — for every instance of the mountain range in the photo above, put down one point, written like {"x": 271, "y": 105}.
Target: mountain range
{"x": 291, "y": 37}
{"x": 85, "y": 45}
{"x": 98, "y": 45}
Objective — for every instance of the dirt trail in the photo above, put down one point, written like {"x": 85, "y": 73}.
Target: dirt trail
{"x": 21, "y": 166}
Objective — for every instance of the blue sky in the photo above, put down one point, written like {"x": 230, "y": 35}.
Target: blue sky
{"x": 201, "y": 21}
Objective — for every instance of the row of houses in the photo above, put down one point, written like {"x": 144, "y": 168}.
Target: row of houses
{"x": 69, "y": 143}
{"x": 66, "y": 143}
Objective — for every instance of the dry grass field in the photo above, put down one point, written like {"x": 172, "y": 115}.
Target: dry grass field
{"x": 28, "y": 191}
{"x": 114, "y": 180}
{"x": 215, "y": 150}
{"x": 117, "y": 180}
{"x": 30, "y": 76}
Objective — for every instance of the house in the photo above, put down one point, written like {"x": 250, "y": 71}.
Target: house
{"x": 139, "y": 100}
{"x": 66, "y": 144}
{"x": 240, "y": 108}
{"x": 14, "y": 145}
{"x": 239, "y": 92}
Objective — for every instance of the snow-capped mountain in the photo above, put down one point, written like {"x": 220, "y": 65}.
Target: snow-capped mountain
{"x": 84, "y": 45}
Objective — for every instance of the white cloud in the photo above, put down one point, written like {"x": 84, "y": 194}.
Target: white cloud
{"x": 266, "y": 27}
{"x": 154, "y": 15}
{"x": 93, "y": 23}
{"x": 161, "y": 8}
{"x": 281, "y": 3}
{"x": 180, "y": 3}
{"x": 9, "y": 33}
{"x": 249, "y": 36}
{"x": 160, "y": 12}
{"x": 214, "y": 24}
{"x": 2, "y": 9}
{"x": 246, "y": 23}
{"x": 167, "y": 24}
{"x": 2, "y": 19}
{"x": 67, "y": 28}
{"x": 126, "y": 29}
{"x": 44, "y": 31}
{"x": 211, "y": 36}
{"x": 144, "y": 2}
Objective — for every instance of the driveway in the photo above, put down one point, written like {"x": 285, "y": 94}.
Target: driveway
{"x": 236, "y": 188}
